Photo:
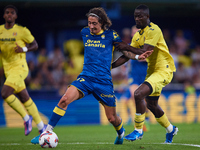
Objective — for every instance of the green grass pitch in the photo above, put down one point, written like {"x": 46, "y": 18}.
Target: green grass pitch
{"x": 99, "y": 137}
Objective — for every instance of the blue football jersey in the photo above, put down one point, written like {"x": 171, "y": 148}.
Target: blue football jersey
{"x": 137, "y": 71}
{"x": 98, "y": 53}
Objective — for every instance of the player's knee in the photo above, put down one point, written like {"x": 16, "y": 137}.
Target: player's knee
{"x": 4, "y": 95}
{"x": 138, "y": 96}
{"x": 64, "y": 102}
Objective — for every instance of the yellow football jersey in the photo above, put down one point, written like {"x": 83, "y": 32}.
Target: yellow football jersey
{"x": 8, "y": 39}
{"x": 160, "y": 59}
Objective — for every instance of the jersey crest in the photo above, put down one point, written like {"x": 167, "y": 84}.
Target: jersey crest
{"x": 115, "y": 35}
{"x": 103, "y": 36}
{"x": 14, "y": 33}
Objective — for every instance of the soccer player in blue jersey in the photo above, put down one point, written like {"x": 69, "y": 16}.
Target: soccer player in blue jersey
{"x": 95, "y": 77}
{"x": 159, "y": 73}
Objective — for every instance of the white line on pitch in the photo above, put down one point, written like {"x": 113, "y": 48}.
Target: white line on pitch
{"x": 76, "y": 143}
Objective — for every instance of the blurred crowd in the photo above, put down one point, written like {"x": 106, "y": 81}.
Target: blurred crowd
{"x": 58, "y": 68}
{"x": 186, "y": 54}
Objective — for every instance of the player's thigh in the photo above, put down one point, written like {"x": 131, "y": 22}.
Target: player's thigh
{"x": 83, "y": 85}
{"x": 15, "y": 79}
{"x": 78, "y": 89}
{"x": 105, "y": 94}
{"x": 71, "y": 94}
{"x": 158, "y": 80}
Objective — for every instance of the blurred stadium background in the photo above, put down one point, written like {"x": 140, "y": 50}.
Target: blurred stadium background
{"x": 56, "y": 26}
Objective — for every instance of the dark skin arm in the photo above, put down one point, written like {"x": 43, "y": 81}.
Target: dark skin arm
{"x": 31, "y": 47}
{"x": 129, "y": 55}
{"x": 120, "y": 61}
{"x": 122, "y": 46}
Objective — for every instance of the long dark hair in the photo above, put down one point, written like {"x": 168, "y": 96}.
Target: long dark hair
{"x": 100, "y": 13}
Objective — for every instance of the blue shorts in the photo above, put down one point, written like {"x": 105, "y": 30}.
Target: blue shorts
{"x": 127, "y": 94}
{"x": 102, "y": 89}
{"x": 136, "y": 80}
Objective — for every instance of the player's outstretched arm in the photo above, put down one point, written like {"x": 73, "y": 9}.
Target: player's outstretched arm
{"x": 122, "y": 46}
{"x": 143, "y": 56}
{"x": 129, "y": 55}
{"x": 119, "y": 61}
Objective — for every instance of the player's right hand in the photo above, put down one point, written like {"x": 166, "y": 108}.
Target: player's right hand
{"x": 145, "y": 55}
{"x": 18, "y": 49}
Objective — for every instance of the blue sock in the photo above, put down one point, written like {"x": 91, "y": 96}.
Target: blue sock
{"x": 56, "y": 115}
{"x": 119, "y": 128}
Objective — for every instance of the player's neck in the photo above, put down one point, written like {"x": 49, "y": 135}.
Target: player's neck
{"x": 148, "y": 23}
{"x": 9, "y": 25}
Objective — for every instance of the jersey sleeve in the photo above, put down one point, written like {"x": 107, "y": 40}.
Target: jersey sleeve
{"x": 153, "y": 36}
{"x": 133, "y": 43}
{"x": 82, "y": 32}
{"x": 27, "y": 36}
{"x": 116, "y": 37}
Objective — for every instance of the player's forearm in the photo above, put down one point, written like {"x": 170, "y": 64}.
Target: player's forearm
{"x": 135, "y": 50}
{"x": 32, "y": 46}
{"x": 129, "y": 54}
{"x": 120, "y": 61}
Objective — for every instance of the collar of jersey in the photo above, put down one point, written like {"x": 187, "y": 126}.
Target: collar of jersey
{"x": 99, "y": 32}
{"x": 9, "y": 28}
{"x": 142, "y": 30}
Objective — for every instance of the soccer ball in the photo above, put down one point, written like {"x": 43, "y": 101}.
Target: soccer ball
{"x": 48, "y": 139}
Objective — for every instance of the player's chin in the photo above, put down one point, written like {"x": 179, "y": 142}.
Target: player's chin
{"x": 138, "y": 26}
{"x": 9, "y": 21}
{"x": 93, "y": 31}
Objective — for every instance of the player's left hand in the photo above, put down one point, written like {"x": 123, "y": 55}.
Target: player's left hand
{"x": 144, "y": 55}
{"x": 18, "y": 49}
{"x": 120, "y": 46}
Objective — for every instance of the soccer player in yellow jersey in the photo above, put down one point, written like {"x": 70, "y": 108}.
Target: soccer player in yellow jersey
{"x": 15, "y": 41}
{"x": 159, "y": 73}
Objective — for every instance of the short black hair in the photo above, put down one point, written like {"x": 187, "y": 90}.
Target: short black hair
{"x": 143, "y": 7}
{"x": 11, "y": 6}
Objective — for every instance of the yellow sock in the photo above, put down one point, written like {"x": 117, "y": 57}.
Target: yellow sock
{"x": 32, "y": 110}
{"x": 15, "y": 103}
{"x": 163, "y": 121}
{"x": 139, "y": 121}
